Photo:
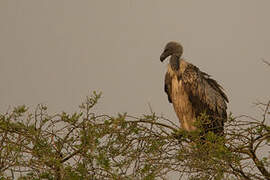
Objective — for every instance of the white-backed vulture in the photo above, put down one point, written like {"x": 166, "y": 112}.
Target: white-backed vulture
{"x": 193, "y": 92}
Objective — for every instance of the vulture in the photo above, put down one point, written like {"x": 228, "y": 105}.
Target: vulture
{"x": 193, "y": 93}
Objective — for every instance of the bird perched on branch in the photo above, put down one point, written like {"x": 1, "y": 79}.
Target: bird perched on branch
{"x": 193, "y": 92}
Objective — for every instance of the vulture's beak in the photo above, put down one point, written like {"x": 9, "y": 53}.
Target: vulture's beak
{"x": 162, "y": 57}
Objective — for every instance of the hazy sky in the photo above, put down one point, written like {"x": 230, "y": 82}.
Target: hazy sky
{"x": 57, "y": 52}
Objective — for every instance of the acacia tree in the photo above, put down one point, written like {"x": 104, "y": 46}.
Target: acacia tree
{"x": 85, "y": 145}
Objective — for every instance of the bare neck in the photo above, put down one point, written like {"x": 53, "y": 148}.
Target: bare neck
{"x": 175, "y": 62}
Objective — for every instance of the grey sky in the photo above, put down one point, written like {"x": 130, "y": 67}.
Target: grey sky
{"x": 57, "y": 52}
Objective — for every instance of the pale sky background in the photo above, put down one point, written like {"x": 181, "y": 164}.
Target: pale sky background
{"x": 57, "y": 52}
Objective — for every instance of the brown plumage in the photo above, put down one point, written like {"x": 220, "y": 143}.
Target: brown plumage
{"x": 193, "y": 92}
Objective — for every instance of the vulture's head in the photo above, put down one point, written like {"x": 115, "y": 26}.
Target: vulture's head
{"x": 172, "y": 48}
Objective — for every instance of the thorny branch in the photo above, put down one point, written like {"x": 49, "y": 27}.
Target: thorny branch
{"x": 90, "y": 146}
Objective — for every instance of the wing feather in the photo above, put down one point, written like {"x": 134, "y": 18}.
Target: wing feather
{"x": 205, "y": 94}
{"x": 168, "y": 86}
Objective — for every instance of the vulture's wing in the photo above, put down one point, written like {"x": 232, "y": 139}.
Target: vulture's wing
{"x": 205, "y": 93}
{"x": 168, "y": 86}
